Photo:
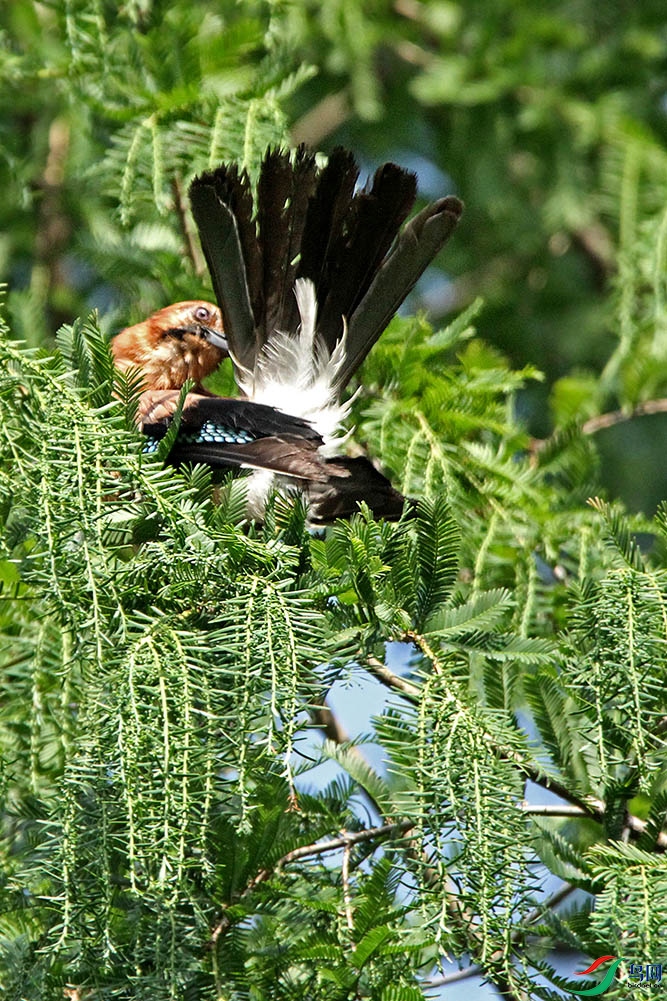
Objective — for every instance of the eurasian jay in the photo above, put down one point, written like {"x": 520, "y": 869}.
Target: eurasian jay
{"x": 306, "y": 283}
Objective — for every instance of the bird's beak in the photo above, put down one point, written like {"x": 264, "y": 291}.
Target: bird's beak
{"x": 216, "y": 339}
{"x": 213, "y": 337}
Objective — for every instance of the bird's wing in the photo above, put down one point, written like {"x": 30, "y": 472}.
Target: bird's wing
{"x": 232, "y": 434}
{"x": 226, "y": 433}
{"x": 287, "y": 455}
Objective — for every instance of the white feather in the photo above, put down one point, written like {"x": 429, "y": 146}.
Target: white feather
{"x": 295, "y": 373}
{"x": 260, "y": 484}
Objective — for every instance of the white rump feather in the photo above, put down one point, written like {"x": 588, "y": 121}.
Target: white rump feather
{"x": 297, "y": 374}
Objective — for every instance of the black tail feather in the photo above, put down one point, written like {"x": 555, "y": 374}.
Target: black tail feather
{"x": 282, "y": 201}
{"x": 349, "y": 483}
{"x": 415, "y": 248}
{"x": 327, "y": 211}
{"x": 222, "y": 208}
{"x": 374, "y": 218}
{"x": 310, "y": 223}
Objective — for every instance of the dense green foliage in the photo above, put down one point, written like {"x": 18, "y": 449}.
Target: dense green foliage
{"x": 166, "y": 832}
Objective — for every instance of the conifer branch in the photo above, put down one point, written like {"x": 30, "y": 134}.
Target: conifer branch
{"x": 552, "y": 810}
{"x": 346, "y": 840}
{"x": 192, "y": 246}
{"x": 614, "y": 417}
{"x": 592, "y": 807}
{"x": 347, "y": 896}
{"x": 392, "y": 680}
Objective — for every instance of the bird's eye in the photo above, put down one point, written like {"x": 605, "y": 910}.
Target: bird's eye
{"x": 202, "y": 314}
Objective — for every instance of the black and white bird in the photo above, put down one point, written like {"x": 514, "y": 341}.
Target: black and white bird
{"x": 306, "y": 279}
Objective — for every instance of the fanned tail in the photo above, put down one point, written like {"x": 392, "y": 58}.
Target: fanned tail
{"x": 311, "y": 223}
{"x": 306, "y": 279}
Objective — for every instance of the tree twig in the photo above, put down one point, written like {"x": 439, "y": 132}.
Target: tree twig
{"x": 387, "y": 677}
{"x": 320, "y": 121}
{"x": 552, "y": 810}
{"x": 326, "y": 720}
{"x": 613, "y": 417}
{"x": 346, "y": 839}
{"x": 53, "y": 224}
{"x": 191, "y": 245}
{"x": 391, "y": 680}
{"x": 347, "y": 897}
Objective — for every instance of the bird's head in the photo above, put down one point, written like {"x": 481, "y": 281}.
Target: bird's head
{"x": 183, "y": 341}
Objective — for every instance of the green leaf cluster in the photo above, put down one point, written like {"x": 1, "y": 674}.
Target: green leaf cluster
{"x": 164, "y": 664}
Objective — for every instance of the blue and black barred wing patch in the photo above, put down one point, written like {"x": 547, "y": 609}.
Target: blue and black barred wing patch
{"x": 254, "y": 419}
{"x": 226, "y": 434}
{"x": 214, "y": 433}
{"x": 209, "y": 433}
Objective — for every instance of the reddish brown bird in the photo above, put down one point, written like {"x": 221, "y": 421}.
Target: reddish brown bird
{"x": 180, "y": 342}
{"x": 305, "y": 284}
{"x": 185, "y": 341}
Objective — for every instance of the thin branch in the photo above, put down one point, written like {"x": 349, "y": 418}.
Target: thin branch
{"x": 387, "y": 677}
{"x": 191, "y": 244}
{"x": 554, "y": 900}
{"x": 318, "y": 123}
{"x": 608, "y": 420}
{"x": 346, "y": 839}
{"x": 552, "y": 810}
{"x": 422, "y": 643}
{"x": 326, "y": 720}
{"x": 347, "y": 896}
{"x": 391, "y": 680}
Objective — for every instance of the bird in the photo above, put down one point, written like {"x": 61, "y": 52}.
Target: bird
{"x": 183, "y": 341}
{"x": 306, "y": 280}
